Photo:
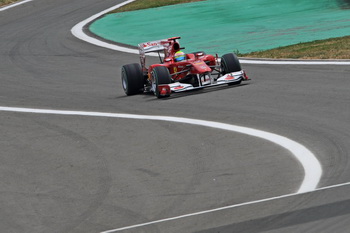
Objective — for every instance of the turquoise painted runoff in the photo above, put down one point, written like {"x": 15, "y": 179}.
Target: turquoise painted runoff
{"x": 222, "y": 26}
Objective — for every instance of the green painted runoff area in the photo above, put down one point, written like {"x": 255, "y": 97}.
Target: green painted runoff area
{"x": 222, "y": 26}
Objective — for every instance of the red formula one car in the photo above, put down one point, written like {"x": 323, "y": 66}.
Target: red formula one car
{"x": 179, "y": 72}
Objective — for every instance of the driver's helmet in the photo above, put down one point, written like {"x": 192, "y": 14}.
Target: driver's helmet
{"x": 179, "y": 56}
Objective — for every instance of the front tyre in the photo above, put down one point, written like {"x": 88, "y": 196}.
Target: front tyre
{"x": 230, "y": 63}
{"x": 132, "y": 79}
{"x": 161, "y": 77}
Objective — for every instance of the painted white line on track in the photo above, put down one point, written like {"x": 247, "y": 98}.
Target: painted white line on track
{"x": 78, "y": 32}
{"x": 293, "y": 62}
{"x": 223, "y": 208}
{"x": 14, "y": 5}
{"x": 312, "y": 167}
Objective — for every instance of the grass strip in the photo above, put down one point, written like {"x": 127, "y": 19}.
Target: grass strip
{"x": 6, "y": 2}
{"x": 334, "y": 48}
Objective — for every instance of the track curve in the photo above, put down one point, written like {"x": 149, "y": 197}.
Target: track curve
{"x": 68, "y": 174}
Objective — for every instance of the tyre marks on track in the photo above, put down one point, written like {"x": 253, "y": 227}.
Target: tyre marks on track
{"x": 312, "y": 167}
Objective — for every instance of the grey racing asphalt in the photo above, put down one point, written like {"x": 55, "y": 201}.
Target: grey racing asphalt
{"x": 91, "y": 174}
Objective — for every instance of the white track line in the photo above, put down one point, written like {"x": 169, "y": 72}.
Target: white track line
{"x": 78, "y": 32}
{"x": 294, "y": 62}
{"x": 312, "y": 167}
{"x": 14, "y": 4}
{"x": 222, "y": 208}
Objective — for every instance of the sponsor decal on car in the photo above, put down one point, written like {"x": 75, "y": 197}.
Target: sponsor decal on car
{"x": 150, "y": 44}
{"x": 179, "y": 87}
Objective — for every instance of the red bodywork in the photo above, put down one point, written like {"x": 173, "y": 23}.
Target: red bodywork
{"x": 195, "y": 63}
{"x": 198, "y": 70}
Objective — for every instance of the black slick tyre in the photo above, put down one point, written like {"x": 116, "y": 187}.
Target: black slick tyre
{"x": 132, "y": 79}
{"x": 160, "y": 75}
{"x": 230, "y": 63}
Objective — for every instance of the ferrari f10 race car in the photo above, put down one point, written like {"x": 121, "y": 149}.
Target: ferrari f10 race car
{"x": 178, "y": 71}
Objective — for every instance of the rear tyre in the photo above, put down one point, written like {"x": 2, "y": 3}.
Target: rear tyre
{"x": 132, "y": 79}
{"x": 230, "y": 63}
{"x": 160, "y": 75}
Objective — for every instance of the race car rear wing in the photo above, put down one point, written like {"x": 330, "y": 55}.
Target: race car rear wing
{"x": 152, "y": 46}
{"x": 166, "y": 46}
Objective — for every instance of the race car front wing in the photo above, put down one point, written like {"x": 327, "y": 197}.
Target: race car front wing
{"x": 231, "y": 78}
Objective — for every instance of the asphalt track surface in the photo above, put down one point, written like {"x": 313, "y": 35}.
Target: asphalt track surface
{"x": 93, "y": 174}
